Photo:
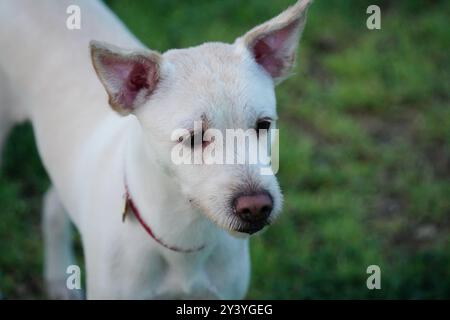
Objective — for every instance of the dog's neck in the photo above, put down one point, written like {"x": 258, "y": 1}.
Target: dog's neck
{"x": 159, "y": 200}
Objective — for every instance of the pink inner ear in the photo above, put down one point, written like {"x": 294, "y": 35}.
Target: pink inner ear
{"x": 129, "y": 77}
{"x": 271, "y": 50}
{"x": 266, "y": 57}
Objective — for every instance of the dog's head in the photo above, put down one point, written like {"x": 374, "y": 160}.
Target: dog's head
{"x": 218, "y": 86}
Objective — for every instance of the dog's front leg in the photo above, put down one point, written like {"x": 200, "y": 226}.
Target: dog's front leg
{"x": 58, "y": 248}
{"x": 5, "y": 119}
{"x": 4, "y": 129}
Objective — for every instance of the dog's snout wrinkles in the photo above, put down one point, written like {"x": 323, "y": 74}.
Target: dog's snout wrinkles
{"x": 254, "y": 208}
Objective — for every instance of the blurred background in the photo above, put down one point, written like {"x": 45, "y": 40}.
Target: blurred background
{"x": 365, "y": 151}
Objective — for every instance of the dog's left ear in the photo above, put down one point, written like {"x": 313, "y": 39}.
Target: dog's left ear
{"x": 274, "y": 43}
{"x": 128, "y": 77}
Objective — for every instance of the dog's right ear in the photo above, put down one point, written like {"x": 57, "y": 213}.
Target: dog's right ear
{"x": 128, "y": 77}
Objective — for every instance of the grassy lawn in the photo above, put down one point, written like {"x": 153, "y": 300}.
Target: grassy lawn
{"x": 365, "y": 151}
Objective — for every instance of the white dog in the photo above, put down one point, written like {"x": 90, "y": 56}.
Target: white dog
{"x": 150, "y": 228}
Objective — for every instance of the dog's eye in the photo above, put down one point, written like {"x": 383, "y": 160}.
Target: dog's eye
{"x": 196, "y": 136}
{"x": 263, "y": 124}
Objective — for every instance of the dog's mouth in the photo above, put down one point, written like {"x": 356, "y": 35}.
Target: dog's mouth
{"x": 231, "y": 223}
{"x": 251, "y": 228}
{"x": 238, "y": 227}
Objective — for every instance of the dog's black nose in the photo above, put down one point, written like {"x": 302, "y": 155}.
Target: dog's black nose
{"x": 253, "y": 208}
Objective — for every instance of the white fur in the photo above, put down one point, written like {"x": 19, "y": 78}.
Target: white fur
{"x": 89, "y": 151}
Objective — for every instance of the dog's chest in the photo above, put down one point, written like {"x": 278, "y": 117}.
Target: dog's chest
{"x": 187, "y": 276}
{"x": 201, "y": 275}
{"x": 143, "y": 269}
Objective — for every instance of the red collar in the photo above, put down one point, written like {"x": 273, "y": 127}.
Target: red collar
{"x": 129, "y": 205}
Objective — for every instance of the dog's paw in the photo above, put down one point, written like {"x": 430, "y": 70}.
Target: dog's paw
{"x": 57, "y": 290}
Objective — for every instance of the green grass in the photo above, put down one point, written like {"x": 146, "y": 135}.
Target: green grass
{"x": 365, "y": 151}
